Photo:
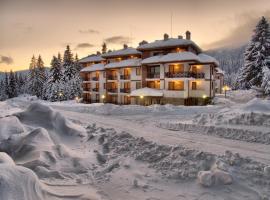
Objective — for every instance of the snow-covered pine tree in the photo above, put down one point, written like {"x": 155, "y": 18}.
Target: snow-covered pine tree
{"x": 257, "y": 51}
{"x": 52, "y": 86}
{"x": 12, "y": 87}
{"x": 266, "y": 80}
{"x": 77, "y": 65}
{"x": 68, "y": 65}
{"x": 6, "y": 84}
{"x": 21, "y": 83}
{"x": 3, "y": 95}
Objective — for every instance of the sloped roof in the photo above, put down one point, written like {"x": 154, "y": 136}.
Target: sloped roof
{"x": 92, "y": 58}
{"x": 171, "y": 42}
{"x": 92, "y": 68}
{"x": 179, "y": 57}
{"x": 147, "y": 92}
{"x": 122, "y": 52}
{"x": 219, "y": 71}
{"x": 204, "y": 58}
{"x": 124, "y": 63}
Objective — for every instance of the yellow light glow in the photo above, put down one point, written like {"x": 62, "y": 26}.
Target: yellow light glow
{"x": 76, "y": 98}
{"x": 204, "y": 96}
{"x": 141, "y": 97}
{"x": 60, "y": 94}
{"x": 103, "y": 96}
{"x": 226, "y": 88}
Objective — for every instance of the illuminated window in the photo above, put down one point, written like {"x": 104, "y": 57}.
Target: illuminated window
{"x": 176, "y": 85}
{"x": 176, "y": 68}
{"x": 194, "y": 86}
{"x": 138, "y": 85}
{"x": 138, "y": 71}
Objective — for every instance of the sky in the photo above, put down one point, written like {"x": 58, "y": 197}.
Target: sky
{"x": 45, "y": 27}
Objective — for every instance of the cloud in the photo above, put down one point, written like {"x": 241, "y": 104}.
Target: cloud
{"x": 118, "y": 40}
{"x": 89, "y": 31}
{"x": 84, "y": 45}
{"x": 6, "y": 60}
{"x": 241, "y": 33}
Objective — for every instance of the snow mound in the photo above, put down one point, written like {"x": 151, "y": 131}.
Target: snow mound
{"x": 43, "y": 116}
{"x": 5, "y": 159}
{"x": 257, "y": 105}
{"x": 18, "y": 182}
{"x": 9, "y": 126}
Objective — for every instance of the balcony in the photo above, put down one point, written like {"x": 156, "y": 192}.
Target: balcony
{"x": 112, "y": 90}
{"x": 125, "y": 77}
{"x": 95, "y": 78}
{"x": 125, "y": 90}
{"x": 150, "y": 75}
{"x": 88, "y": 89}
{"x": 184, "y": 75}
{"x": 112, "y": 77}
{"x": 95, "y": 89}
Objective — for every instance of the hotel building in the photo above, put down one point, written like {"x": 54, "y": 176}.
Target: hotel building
{"x": 171, "y": 70}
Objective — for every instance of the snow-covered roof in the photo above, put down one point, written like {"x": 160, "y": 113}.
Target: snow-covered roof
{"x": 147, "y": 92}
{"x": 179, "y": 57}
{"x": 92, "y": 58}
{"x": 204, "y": 58}
{"x": 171, "y": 42}
{"x": 122, "y": 52}
{"x": 219, "y": 71}
{"x": 124, "y": 63}
{"x": 92, "y": 68}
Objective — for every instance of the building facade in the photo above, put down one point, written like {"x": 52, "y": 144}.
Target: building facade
{"x": 172, "y": 70}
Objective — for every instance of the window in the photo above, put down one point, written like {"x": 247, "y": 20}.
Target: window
{"x": 104, "y": 85}
{"x": 176, "y": 85}
{"x": 104, "y": 74}
{"x": 194, "y": 86}
{"x": 153, "y": 84}
{"x": 138, "y": 85}
{"x": 177, "y": 68}
{"x": 97, "y": 97}
{"x": 138, "y": 71}
{"x": 127, "y": 85}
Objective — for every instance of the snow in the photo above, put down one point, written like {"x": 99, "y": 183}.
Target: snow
{"x": 124, "y": 63}
{"x": 94, "y": 67}
{"x": 204, "y": 58}
{"x": 92, "y": 58}
{"x": 179, "y": 57}
{"x": 147, "y": 92}
{"x": 171, "y": 42}
{"x": 122, "y": 52}
{"x": 67, "y": 150}
{"x": 220, "y": 71}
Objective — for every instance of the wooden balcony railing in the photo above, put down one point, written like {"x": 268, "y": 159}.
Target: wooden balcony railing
{"x": 125, "y": 90}
{"x": 95, "y": 78}
{"x": 112, "y": 90}
{"x": 184, "y": 75}
{"x": 125, "y": 77}
{"x": 112, "y": 77}
{"x": 150, "y": 75}
{"x": 95, "y": 89}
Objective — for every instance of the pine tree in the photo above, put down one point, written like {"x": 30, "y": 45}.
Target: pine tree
{"x": 3, "y": 95}
{"x": 36, "y": 77}
{"x": 12, "y": 87}
{"x": 6, "y": 84}
{"x": 266, "y": 80}
{"x": 21, "y": 84}
{"x": 68, "y": 64}
{"x": 77, "y": 65}
{"x": 256, "y": 54}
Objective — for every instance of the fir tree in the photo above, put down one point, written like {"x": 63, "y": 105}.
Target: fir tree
{"x": 12, "y": 87}
{"x": 68, "y": 64}
{"x": 3, "y": 95}
{"x": 256, "y": 54}
{"x": 266, "y": 80}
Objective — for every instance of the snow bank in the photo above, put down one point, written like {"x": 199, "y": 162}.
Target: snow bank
{"x": 9, "y": 126}
{"x": 257, "y": 105}
{"x": 18, "y": 182}
{"x": 43, "y": 116}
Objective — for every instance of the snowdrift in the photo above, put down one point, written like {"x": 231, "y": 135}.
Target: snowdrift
{"x": 18, "y": 182}
{"x": 43, "y": 116}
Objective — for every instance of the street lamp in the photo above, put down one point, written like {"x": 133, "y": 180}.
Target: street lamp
{"x": 225, "y": 89}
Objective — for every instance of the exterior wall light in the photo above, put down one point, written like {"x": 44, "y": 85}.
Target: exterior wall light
{"x": 141, "y": 97}
{"x": 204, "y": 96}
{"x": 103, "y": 96}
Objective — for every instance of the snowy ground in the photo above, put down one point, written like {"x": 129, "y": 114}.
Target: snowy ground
{"x": 69, "y": 150}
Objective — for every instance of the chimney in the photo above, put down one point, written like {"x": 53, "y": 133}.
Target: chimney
{"x": 143, "y": 42}
{"x": 125, "y": 46}
{"x": 104, "y": 48}
{"x": 166, "y": 36}
{"x": 98, "y": 53}
{"x": 180, "y": 37}
{"x": 188, "y": 35}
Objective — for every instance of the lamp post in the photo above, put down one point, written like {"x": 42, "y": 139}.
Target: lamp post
{"x": 225, "y": 89}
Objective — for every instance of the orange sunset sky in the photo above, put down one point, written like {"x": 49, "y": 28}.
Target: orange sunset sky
{"x": 46, "y": 26}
